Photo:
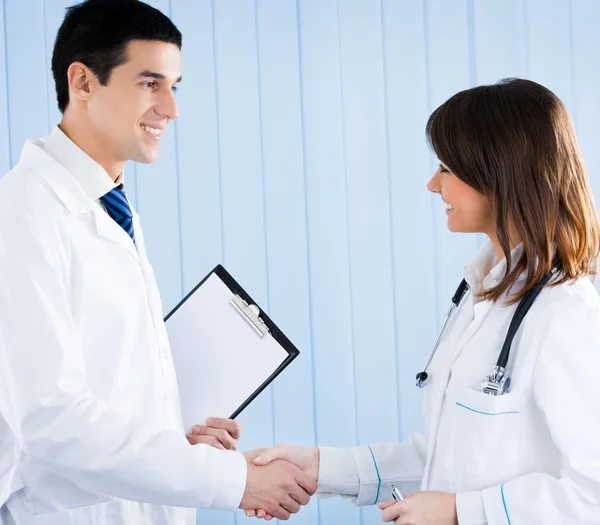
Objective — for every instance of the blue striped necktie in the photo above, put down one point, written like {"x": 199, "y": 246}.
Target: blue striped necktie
{"x": 115, "y": 202}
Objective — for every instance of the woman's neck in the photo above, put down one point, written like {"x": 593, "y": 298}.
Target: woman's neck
{"x": 498, "y": 248}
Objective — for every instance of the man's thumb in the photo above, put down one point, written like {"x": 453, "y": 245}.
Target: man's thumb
{"x": 269, "y": 455}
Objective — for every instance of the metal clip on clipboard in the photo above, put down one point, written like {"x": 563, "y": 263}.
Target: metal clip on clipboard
{"x": 251, "y": 314}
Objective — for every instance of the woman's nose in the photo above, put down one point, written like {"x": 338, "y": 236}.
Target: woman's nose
{"x": 434, "y": 183}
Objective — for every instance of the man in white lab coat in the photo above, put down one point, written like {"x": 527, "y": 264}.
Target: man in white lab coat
{"x": 90, "y": 425}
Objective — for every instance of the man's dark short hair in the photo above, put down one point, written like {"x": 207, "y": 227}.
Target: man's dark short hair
{"x": 97, "y": 33}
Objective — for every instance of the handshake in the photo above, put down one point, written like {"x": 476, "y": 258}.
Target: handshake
{"x": 282, "y": 479}
{"x": 279, "y": 481}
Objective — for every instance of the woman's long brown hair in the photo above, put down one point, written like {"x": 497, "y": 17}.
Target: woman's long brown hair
{"x": 514, "y": 142}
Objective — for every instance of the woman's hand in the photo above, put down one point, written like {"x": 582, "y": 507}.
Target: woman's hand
{"x": 422, "y": 508}
{"x": 306, "y": 459}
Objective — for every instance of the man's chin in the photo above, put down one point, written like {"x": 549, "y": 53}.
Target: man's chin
{"x": 147, "y": 157}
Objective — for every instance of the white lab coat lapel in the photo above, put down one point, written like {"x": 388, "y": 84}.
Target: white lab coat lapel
{"x": 480, "y": 312}
{"x": 468, "y": 321}
{"x": 468, "y": 324}
{"x": 140, "y": 241}
{"x": 108, "y": 228}
{"x": 73, "y": 197}
{"x": 434, "y": 419}
{"x": 154, "y": 301}
{"x": 445, "y": 356}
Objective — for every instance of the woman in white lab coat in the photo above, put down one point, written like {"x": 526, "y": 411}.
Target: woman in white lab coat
{"x": 510, "y": 168}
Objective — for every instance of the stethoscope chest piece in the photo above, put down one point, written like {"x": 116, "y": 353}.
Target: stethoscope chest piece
{"x": 421, "y": 378}
{"x": 497, "y": 383}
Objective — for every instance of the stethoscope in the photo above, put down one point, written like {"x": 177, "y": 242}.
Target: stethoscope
{"x": 498, "y": 382}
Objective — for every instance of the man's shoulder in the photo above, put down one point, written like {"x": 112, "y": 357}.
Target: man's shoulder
{"x": 24, "y": 191}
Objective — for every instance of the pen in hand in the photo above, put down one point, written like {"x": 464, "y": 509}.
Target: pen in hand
{"x": 396, "y": 494}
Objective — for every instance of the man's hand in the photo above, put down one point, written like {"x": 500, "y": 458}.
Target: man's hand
{"x": 422, "y": 508}
{"x": 218, "y": 432}
{"x": 279, "y": 488}
{"x": 306, "y": 459}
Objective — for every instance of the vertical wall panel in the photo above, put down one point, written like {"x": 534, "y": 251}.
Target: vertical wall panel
{"x": 586, "y": 78}
{"x": 413, "y": 248}
{"x": 368, "y": 220}
{"x": 5, "y": 150}
{"x": 26, "y": 80}
{"x": 499, "y": 44}
{"x": 549, "y": 46}
{"x": 368, "y": 211}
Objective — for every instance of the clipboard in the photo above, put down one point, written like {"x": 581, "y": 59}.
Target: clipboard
{"x": 217, "y": 303}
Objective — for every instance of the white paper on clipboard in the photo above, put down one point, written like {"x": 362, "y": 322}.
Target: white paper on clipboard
{"x": 219, "y": 359}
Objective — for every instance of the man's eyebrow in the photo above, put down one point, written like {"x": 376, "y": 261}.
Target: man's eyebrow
{"x": 158, "y": 76}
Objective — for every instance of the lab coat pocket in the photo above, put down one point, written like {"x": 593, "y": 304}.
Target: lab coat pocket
{"x": 484, "y": 436}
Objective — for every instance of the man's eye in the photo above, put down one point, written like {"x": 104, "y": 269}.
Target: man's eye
{"x": 149, "y": 84}
{"x": 175, "y": 89}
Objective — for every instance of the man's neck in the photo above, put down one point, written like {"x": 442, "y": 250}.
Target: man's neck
{"x": 86, "y": 142}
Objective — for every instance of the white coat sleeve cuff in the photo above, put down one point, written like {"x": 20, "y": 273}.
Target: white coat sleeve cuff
{"x": 230, "y": 480}
{"x": 368, "y": 475}
{"x": 337, "y": 472}
{"x": 470, "y": 509}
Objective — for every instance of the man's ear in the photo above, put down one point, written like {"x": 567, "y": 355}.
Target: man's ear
{"x": 81, "y": 81}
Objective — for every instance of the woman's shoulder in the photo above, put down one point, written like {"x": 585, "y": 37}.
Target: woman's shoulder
{"x": 573, "y": 301}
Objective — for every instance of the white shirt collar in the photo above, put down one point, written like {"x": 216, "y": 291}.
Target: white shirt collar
{"x": 87, "y": 172}
{"x": 484, "y": 271}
